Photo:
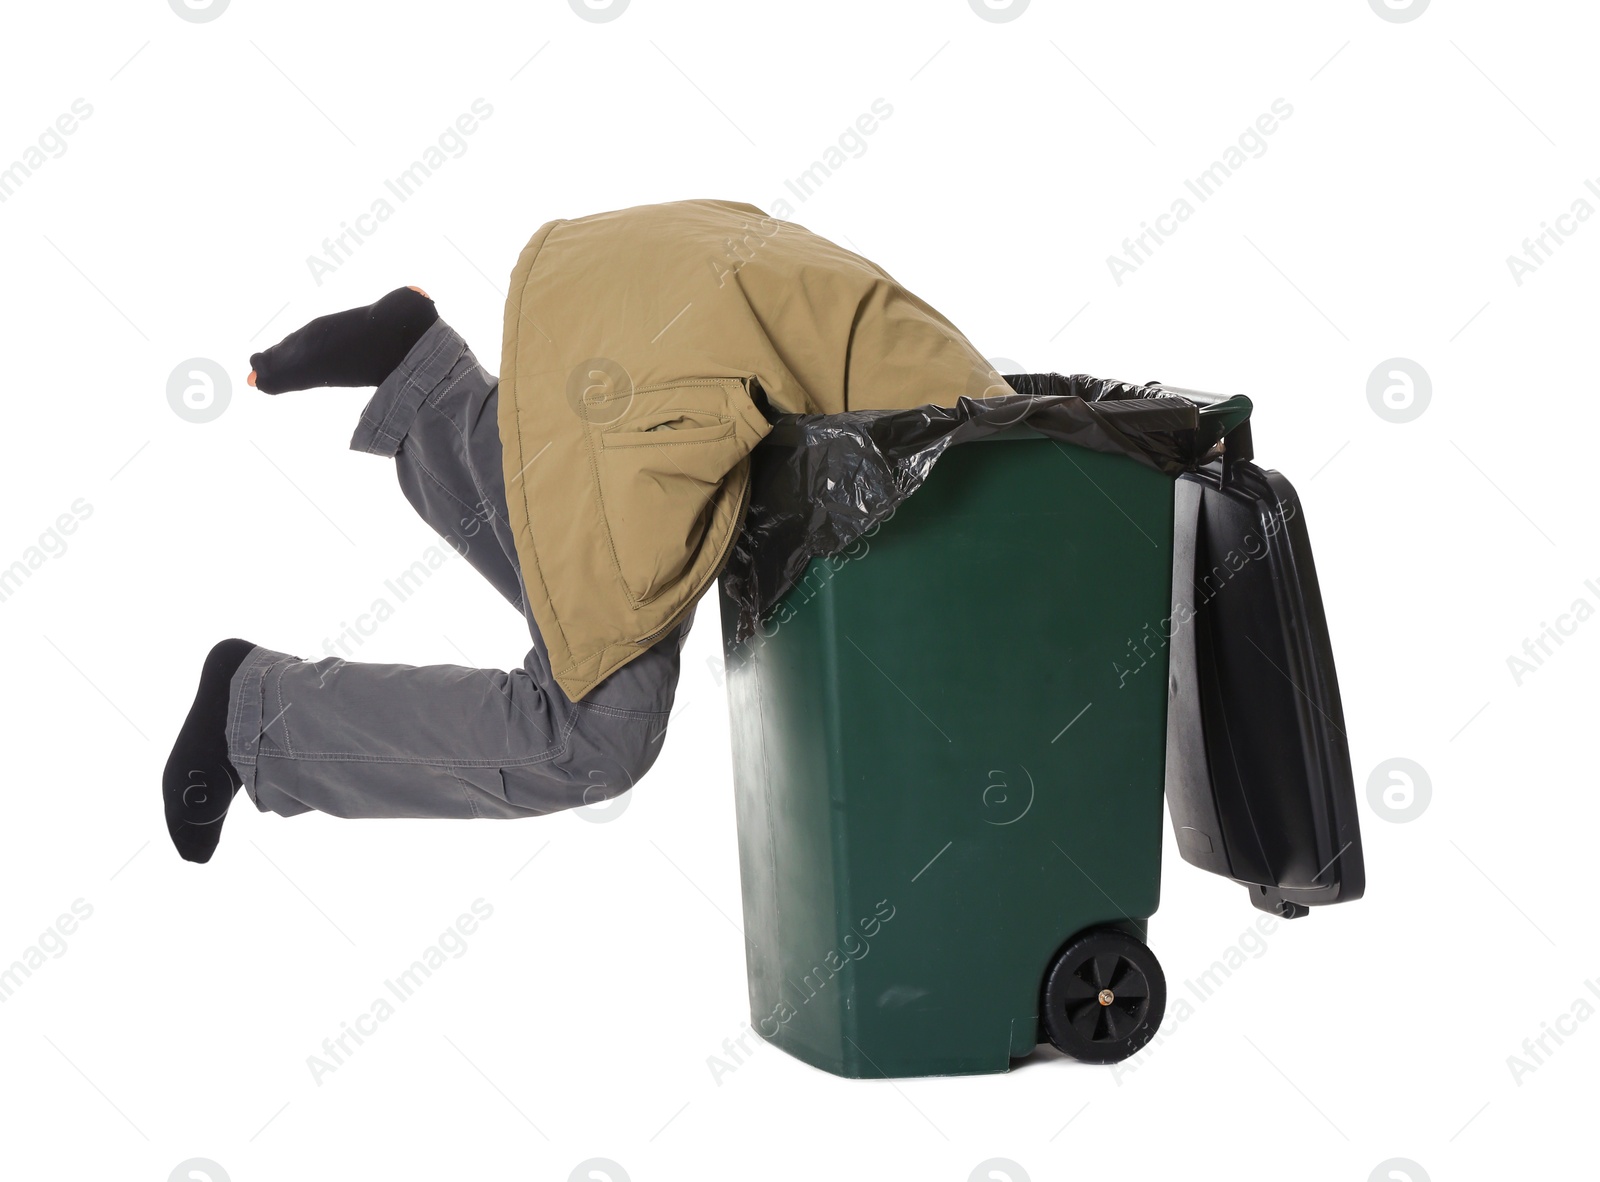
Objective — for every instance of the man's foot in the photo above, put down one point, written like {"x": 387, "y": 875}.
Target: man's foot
{"x": 359, "y": 347}
{"x": 199, "y": 782}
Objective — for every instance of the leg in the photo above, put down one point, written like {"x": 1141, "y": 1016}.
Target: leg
{"x": 436, "y": 414}
{"x": 366, "y": 740}
{"x": 362, "y": 740}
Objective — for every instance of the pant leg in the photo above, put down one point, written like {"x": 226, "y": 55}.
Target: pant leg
{"x": 366, "y": 740}
{"x": 437, "y": 416}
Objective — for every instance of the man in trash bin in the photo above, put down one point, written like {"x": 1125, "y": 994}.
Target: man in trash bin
{"x": 598, "y": 485}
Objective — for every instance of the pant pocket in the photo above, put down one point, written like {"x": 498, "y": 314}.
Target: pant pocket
{"x": 484, "y": 791}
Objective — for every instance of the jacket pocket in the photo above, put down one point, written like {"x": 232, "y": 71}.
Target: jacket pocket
{"x": 675, "y": 426}
{"x": 662, "y": 468}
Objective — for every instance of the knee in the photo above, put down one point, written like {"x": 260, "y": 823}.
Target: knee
{"x": 629, "y": 759}
{"x": 605, "y": 755}
{"x": 615, "y": 754}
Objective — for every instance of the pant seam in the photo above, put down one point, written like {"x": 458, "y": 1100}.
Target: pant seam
{"x": 282, "y": 715}
{"x": 620, "y": 712}
{"x": 432, "y": 402}
{"x": 434, "y": 397}
{"x": 387, "y": 417}
{"x": 236, "y": 706}
{"x": 449, "y": 764}
{"x": 466, "y": 792}
{"x": 256, "y": 666}
{"x": 442, "y": 486}
{"x": 411, "y": 382}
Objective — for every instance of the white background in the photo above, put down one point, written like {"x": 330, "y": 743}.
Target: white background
{"x": 1019, "y": 155}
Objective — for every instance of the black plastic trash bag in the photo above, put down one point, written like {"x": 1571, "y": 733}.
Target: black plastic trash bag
{"x": 818, "y": 482}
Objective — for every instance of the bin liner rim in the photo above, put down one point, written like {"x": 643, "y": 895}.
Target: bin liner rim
{"x": 819, "y": 482}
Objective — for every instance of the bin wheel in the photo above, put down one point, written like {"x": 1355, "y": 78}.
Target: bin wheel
{"x": 1104, "y": 996}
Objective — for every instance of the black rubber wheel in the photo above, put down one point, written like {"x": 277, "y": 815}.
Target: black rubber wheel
{"x": 1104, "y": 996}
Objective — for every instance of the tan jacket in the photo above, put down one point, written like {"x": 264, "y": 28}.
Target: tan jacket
{"x": 632, "y": 342}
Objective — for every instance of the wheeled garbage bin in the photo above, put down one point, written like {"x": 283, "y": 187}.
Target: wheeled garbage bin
{"x": 951, "y": 742}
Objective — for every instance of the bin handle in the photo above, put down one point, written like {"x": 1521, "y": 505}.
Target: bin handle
{"x": 1198, "y": 397}
{"x": 1220, "y": 415}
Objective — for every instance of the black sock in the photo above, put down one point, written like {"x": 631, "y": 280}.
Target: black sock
{"x": 360, "y": 347}
{"x": 199, "y": 782}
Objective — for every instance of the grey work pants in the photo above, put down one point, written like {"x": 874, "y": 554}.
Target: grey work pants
{"x": 369, "y": 740}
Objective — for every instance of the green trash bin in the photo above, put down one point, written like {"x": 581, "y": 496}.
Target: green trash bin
{"x": 951, "y": 739}
{"x": 941, "y": 778}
